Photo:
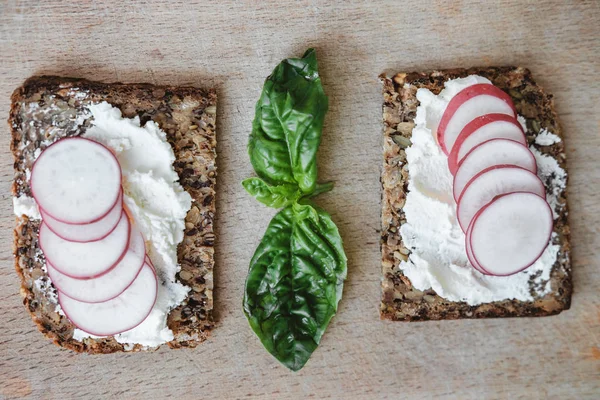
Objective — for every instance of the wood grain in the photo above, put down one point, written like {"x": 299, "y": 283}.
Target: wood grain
{"x": 234, "y": 45}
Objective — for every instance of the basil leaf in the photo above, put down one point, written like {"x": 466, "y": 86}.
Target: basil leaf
{"x": 288, "y": 122}
{"x": 272, "y": 196}
{"x": 295, "y": 282}
{"x": 322, "y": 188}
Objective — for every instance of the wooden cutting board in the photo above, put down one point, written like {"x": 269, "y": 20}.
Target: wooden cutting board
{"x": 233, "y": 46}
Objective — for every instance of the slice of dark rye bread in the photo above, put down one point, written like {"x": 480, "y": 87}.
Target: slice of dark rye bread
{"x": 47, "y": 108}
{"x": 400, "y": 300}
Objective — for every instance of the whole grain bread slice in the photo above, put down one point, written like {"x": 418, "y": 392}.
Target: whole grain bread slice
{"x": 400, "y": 300}
{"x": 47, "y": 108}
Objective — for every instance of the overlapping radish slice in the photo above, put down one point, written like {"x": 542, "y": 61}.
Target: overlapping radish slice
{"x": 468, "y": 104}
{"x": 494, "y": 172}
{"x": 488, "y": 154}
{"x": 510, "y": 233}
{"x": 470, "y": 256}
{"x": 86, "y": 232}
{"x": 86, "y": 260}
{"x": 76, "y": 181}
{"x": 108, "y": 285}
{"x": 119, "y": 314}
{"x": 482, "y": 129}
{"x": 149, "y": 262}
{"x": 492, "y": 182}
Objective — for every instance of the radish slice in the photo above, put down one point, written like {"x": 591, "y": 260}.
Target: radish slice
{"x": 511, "y": 233}
{"x": 149, "y": 262}
{"x": 492, "y": 182}
{"x": 120, "y": 314}
{"x": 482, "y": 129}
{"x": 76, "y": 180}
{"x": 468, "y": 104}
{"x": 86, "y": 260}
{"x": 83, "y": 233}
{"x": 490, "y": 153}
{"x": 470, "y": 255}
{"x": 109, "y": 285}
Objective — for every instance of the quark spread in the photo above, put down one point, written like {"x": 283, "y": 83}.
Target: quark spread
{"x": 155, "y": 199}
{"x": 438, "y": 258}
{"x": 25, "y": 205}
{"x": 546, "y": 138}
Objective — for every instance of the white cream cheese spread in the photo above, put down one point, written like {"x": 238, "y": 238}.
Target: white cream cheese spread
{"x": 546, "y": 138}
{"x": 157, "y": 202}
{"x": 438, "y": 258}
{"x": 25, "y": 205}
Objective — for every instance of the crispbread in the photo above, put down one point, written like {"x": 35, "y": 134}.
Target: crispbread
{"x": 400, "y": 300}
{"x": 46, "y": 108}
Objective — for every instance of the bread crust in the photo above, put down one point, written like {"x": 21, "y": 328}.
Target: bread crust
{"x": 400, "y": 300}
{"x": 46, "y": 108}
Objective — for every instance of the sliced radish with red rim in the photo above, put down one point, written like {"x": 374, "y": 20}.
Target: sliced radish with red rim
{"x": 511, "y": 233}
{"x": 86, "y": 232}
{"x": 86, "y": 260}
{"x": 76, "y": 180}
{"x": 470, "y": 255}
{"x": 482, "y": 129}
{"x": 488, "y": 154}
{"x": 149, "y": 262}
{"x": 468, "y": 104}
{"x": 108, "y": 285}
{"x": 492, "y": 182}
{"x": 117, "y": 315}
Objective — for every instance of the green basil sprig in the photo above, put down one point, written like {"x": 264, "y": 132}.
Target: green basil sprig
{"x": 296, "y": 275}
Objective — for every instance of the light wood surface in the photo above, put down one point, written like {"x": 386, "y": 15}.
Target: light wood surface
{"x": 233, "y": 46}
